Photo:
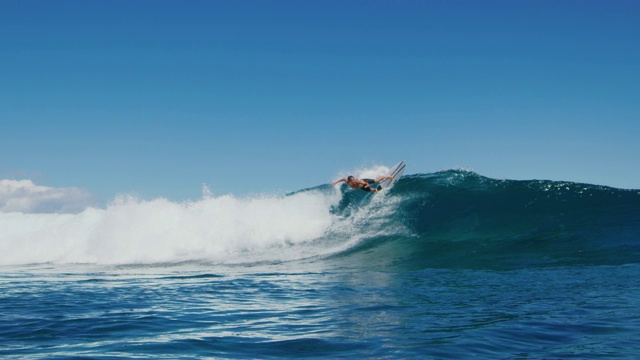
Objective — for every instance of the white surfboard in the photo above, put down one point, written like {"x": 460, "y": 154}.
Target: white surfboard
{"x": 396, "y": 172}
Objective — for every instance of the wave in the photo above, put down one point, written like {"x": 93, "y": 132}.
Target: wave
{"x": 459, "y": 219}
{"x": 448, "y": 219}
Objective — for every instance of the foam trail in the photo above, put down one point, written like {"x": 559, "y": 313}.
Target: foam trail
{"x": 217, "y": 229}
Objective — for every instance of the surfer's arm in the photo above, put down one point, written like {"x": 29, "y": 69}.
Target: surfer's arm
{"x": 338, "y": 181}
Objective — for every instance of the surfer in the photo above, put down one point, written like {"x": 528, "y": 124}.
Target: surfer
{"x": 363, "y": 184}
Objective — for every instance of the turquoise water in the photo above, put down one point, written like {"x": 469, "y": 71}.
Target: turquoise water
{"x": 446, "y": 265}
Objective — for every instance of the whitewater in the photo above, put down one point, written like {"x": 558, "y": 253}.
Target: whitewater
{"x": 445, "y": 265}
{"x": 130, "y": 231}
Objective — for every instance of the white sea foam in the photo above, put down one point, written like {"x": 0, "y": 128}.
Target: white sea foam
{"x": 216, "y": 229}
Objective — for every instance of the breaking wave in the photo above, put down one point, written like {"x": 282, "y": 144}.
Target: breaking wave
{"x": 448, "y": 219}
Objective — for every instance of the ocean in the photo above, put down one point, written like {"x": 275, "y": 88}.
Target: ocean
{"x": 447, "y": 265}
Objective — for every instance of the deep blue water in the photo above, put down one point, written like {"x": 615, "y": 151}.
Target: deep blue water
{"x": 445, "y": 265}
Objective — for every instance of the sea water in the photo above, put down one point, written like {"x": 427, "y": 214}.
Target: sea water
{"x": 445, "y": 265}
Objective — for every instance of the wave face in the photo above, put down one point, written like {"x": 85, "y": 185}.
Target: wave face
{"x": 449, "y": 219}
{"x": 459, "y": 219}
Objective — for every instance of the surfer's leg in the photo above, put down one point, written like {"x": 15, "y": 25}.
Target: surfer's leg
{"x": 384, "y": 178}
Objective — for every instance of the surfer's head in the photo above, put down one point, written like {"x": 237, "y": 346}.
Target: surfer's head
{"x": 350, "y": 177}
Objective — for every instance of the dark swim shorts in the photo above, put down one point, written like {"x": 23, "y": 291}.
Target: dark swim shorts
{"x": 366, "y": 187}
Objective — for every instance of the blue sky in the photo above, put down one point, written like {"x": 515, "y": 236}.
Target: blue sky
{"x": 156, "y": 98}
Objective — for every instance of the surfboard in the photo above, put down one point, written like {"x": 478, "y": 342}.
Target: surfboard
{"x": 396, "y": 172}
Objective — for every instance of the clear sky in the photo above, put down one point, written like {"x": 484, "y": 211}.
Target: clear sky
{"x": 156, "y": 97}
